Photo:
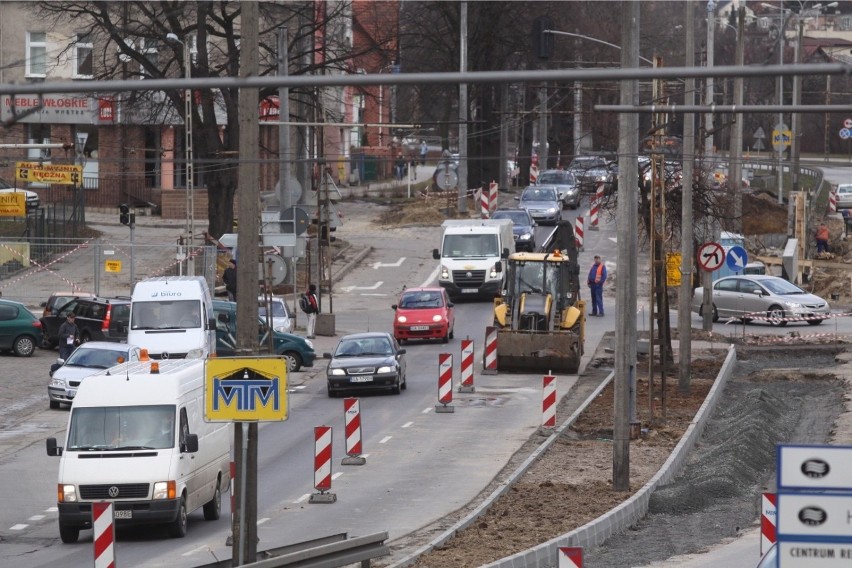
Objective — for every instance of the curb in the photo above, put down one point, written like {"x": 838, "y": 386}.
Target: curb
{"x": 346, "y": 268}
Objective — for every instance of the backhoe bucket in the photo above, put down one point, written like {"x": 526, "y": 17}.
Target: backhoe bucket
{"x": 557, "y": 351}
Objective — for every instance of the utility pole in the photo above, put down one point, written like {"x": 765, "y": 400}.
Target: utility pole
{"x": 286, "y": 198}
{"x": 796, "y": 118}
{"x": 687, "y": 255}
{"x": 462, "y": 189}
{"x": 625, "y": 286}
{"x": 708, "y": 118}
{"x": 735, "y": 154}
{"x": 244, "y": 549}
{"x": 504, "y": 136}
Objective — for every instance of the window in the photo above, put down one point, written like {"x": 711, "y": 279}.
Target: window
{"x": 8, "y": 312}
{"x": 36, "y": 54}
{"x": 83, "y": 57}
{"x": 845, "y": 23}
{"x": 149, "y": 48}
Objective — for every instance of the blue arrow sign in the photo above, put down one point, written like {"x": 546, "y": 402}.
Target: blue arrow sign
{"x": 737, "y": 258}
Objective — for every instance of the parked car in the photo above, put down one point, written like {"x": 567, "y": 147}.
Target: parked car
{"x": 98, "y": 319}
{"x": 588, "y": 170}
{"x": 278, "y": 312}
{"x": 565, "y": 185}
{"x": 59, "y": 299}
{"x": 523, "y": 227}
{"x": 844, "y": 196}
{"x": 542, "y": 203}
{"x": 423, "y": 313}
{"x": 761, "y": 295}
{"x": 87, "y": 359}
{"x": 366, "y": 361}
{"x": 296, "y": 350}
{"x": 20, "y": 330}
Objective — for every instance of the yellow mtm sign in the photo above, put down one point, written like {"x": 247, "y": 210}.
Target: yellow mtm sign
{"x": 673, "y": 260}
{"x": 13, "y": 204}
{"x": 245, "y": 389}
{"x": 62, "y": 174}
{"x": 112, "y": 266}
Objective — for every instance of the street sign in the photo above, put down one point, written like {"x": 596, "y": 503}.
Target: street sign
{"x": 813, "y": 555}
{"x": 711, "y": 256}
{"x": 737, "y": 258}
{"x": 815, "y": 467}
{"x": 673, "y": 260}
{"x": 782, "y": 136}
{"x": 112, "y": 266}
{"x": 62, "y": 174}
{"x": 13, "y": 204}
{"x": 845, "y": 133}
{"x": 245, "y": 389}
{"x": 814, "y": 516}
{"x": 847, "y": 123}
{"x": 759, "y": 134}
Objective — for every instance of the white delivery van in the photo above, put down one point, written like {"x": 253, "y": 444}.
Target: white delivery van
{"x": 137, "y": 437}
{"x": 473, "y": 255}
{"x": 172, "y": 317}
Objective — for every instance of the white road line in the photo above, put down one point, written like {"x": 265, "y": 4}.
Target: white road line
{"x": 261, "y": 521}
{"x": 397, "y": 264}
{"x": 51, "y": 509}
{"x": 194, "y": 550}
{"x": 336, "y": 475}
{"x": 431, "y": 278}
{"x": 18, "y": 527}
{"x": 427, "y": 411}
{"x": 303, "y": 498}
{"x": 36, "y": 518}
{"x": 373, "y": 287}
{"x": 385, "y": 439}
{"x": 407, "y": 424}
{"x": 300, "y": 387}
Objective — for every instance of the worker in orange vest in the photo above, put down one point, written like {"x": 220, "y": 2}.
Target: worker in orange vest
{"x": 597, "y": 277}
{"x": 822, "y": 238}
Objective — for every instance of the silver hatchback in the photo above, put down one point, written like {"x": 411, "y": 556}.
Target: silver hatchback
{"x": 764, "y": 298}
{"x": 543, "y": 204}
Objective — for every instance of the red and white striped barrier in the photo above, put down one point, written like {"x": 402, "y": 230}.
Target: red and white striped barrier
{"x": 570, "y": 557}
{"x": 466, "y": 373}
{"x": 594, "y": 213}
{"x": 233, "y": 493}
{"x": 832, "y": 201}
{"x": 445, "y": 383}
{"x": 761, "y": 316}
{"x": 352, "y": 418}
{"x": 533, "y": 174}
{"x": 492, "y": 197}
{"x": 578, "y": 232}
{"x": 484, "y": 204}
{"x": 322, "y": 466}
{"x": 489, "y": 354}
{"x": 548, "y": 402}
{"x": 104, "y": 534}
{"x": 768, "y": 519}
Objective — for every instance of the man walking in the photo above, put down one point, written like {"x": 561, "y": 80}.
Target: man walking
{"x": 311, "y": 308}
{"x": 597, "y": 277}
{"x": 424, "y": 149}
{"x": 68, "y": 336}
{"x": 229, "y": 278}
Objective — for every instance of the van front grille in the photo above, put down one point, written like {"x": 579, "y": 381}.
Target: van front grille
{"x": 468, "y": 278}
{"x": 114, "y": 491}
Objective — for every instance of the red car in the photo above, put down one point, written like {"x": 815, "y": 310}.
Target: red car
{"x": 423, "y": 313}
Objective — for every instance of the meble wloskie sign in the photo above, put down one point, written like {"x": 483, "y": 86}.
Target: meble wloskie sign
{"x": 55, "y": 108}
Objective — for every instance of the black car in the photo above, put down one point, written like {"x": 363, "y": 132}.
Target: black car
{"x": 523, "y": 227}
{"x": 366, "y": 361}
{"x": 98, "y": 319}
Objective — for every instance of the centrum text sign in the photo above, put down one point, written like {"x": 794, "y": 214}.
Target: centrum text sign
{"x": 62, "y": 174}
{"x": 13, "y": 204}
{"x": 245, "y": 389}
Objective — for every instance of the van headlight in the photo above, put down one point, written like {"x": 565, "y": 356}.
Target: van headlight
{"x": 164, "y": 490}
{"x": 493, "y": 274}
{"x": 195, "y": 354}
{"x": 68, "y": 494}
{"x": 445, "y": 273}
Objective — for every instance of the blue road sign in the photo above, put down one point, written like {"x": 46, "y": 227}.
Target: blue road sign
{"x": 737, "y": 258}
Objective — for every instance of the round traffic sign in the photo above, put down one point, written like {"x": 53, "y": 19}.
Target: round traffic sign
{"x": 711, "y": 256}
{"x": 847, "y": 123}
{"x": 737, "y": 258}
{"x": 845, "y": 133}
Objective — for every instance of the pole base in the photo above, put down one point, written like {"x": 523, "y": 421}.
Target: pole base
{"x": 466, "y": 388}
{"x": 489, "y": 371}
{"x": 322, "y": 498}
{"x": 353, "y": 460}
{"x": 444, "y": 408}
{"x": 546, "y": 431}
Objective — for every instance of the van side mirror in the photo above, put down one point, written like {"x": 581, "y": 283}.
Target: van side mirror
{"x": 52, "y": 448}
{"x": 190, "y": 444}
{"x": 505, "y": 253}
{"x": 435, "y": 254}
{"x": 498, "y": 267}
{"x": 211, "y": 323}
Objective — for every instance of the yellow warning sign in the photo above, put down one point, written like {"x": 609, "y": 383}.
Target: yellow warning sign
{"x": 673, "y": 260}
{"x": 112, "y": 266}
{"x": 13, "y": 204}
{"x": 246, "y": 389}
{"x": 62, "y": 174}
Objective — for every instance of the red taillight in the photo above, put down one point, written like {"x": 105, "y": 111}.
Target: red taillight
{"x": 37, "y": 324}
{"x": 105, "y": 326}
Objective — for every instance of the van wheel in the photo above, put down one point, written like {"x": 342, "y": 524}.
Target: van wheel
{"x": 24, "y": 346}
{"x": 68, "y": 534}
{"x": 177, "y": 529}
{"x": 294, "y": 362}
{"x": 213, "y": 508}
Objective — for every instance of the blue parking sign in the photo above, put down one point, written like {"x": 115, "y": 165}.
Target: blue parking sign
{"x": 736, "y": 258}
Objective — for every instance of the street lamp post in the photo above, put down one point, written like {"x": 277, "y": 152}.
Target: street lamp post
{"x": 190, "y": 188}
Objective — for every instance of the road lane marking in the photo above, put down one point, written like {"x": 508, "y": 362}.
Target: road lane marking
{"x": 261, "y": 521}
{"x": 336, "y": 475}
{"x": 385, "y": 439}
{"x": 407, "y": 424}
{"x": 427, "y": 411}
{"x": 18, "y": 527}
{"x": 431, "y": 278}
{"x": 397, "y": 264}
{"x": 194, "y": 550}
{"x": 303, "y": 498}
{"x": 36, "y": 518}
{"x": 373, "y": 287}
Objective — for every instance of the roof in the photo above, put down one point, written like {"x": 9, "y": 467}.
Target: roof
{"x": 366, "y": 335}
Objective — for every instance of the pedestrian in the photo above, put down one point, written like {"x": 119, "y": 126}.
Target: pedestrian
{"x": 424, "y": 149}
{"x": 597, "y": 277}
{"x": 399, "y": 167}
{"x": 412, "y": 166}
{"x": 68, "y": 336}
{"x": 822, "y": 238}
{"x": 229, "y": 277}
{"x": 310, "y": 305}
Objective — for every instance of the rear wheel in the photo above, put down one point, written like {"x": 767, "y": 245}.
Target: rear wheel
{"x": 776, "y": 316}
{"x": 213, "y": 508}
{"x": 177, "y": 529}
{"x": 715, "y": 313}
{"x": 24, "y": 346}
{"x": 68, "y": 534}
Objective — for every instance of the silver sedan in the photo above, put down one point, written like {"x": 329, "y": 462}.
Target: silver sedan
{"x": 761, "y": 297}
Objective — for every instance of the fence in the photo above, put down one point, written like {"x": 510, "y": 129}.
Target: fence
{"x": 31, "y": 269}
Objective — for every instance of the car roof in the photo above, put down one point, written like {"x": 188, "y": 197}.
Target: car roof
{"x": 13, "y": 302}
{"x": 107, "y": 346}
{"x": 366, "y": 335}
{"x": 752, "y": 277}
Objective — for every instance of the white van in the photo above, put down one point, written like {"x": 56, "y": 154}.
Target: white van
{"x": 172, "y": 317}
{"x": 473, "y": 255}
{"x": 138, "y": 438}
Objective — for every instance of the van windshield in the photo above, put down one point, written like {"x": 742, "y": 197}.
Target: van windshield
{"x": 177, "y": 314}
{"x": 122, "y": 428}
{"x": 471, "y": 246}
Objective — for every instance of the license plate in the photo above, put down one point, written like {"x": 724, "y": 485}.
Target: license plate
{"x": 470, "y": 290}
{"x": 361, "y": 379}
{"x": 419, "y": 327}
{"x": 123, "y": 514}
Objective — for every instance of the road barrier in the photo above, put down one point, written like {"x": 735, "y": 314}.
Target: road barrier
{"x": 466, "y": 373}
{"x": 445, "y": 383}
{"x": 768, "y": 518}
{"x": 103, "y": 538}
{"x": 594, "y": 213}
{"x": 322, "y": 466}
{"x": 489, "y": 355}
{"x": 578, "y": 232}
{"x": 761, "y": 316}
{"x": 548, "y": 402}
{"x": 570, "y": 557}
{"x": 533, "y": 174}
{"x": 352, "y": 417}
{"x": 832, "y": 201}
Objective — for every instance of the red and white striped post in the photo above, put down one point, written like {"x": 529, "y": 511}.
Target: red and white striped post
{"x": 768, "y": 518}
{"x": 578, "y": 232}
{"x": 570, "y": 557}
{"x": 548, "y": 403}
{"x": 352, "y": 418}
{"x": 832, "y": 201}
{"x": 104, "y": 534}
{"x": 466, "y": 374}
{"x": 484, "y": 204}
{"x": 533, "y": 174}
{"x": 445, "y": 383}
{"x": 489, "y": 354}
{"x": 492, "y": 198}
{"x": 594, "y": 213}
{"x": 322, "y": 466}
{"x": 233, "y": 492}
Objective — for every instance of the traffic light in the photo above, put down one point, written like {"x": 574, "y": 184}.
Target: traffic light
{"x": 124, "y": 214}
{"x": 542, "y": 42}
{"x": 325, "y": 234}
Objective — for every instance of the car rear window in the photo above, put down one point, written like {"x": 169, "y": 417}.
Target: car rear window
{"x": 120, "y": 313}
{"x": 8, "y": 312}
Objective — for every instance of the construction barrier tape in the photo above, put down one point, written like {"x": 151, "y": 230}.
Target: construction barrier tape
{"x": 44, "y": 267}
{"x": 761, "y": 316}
